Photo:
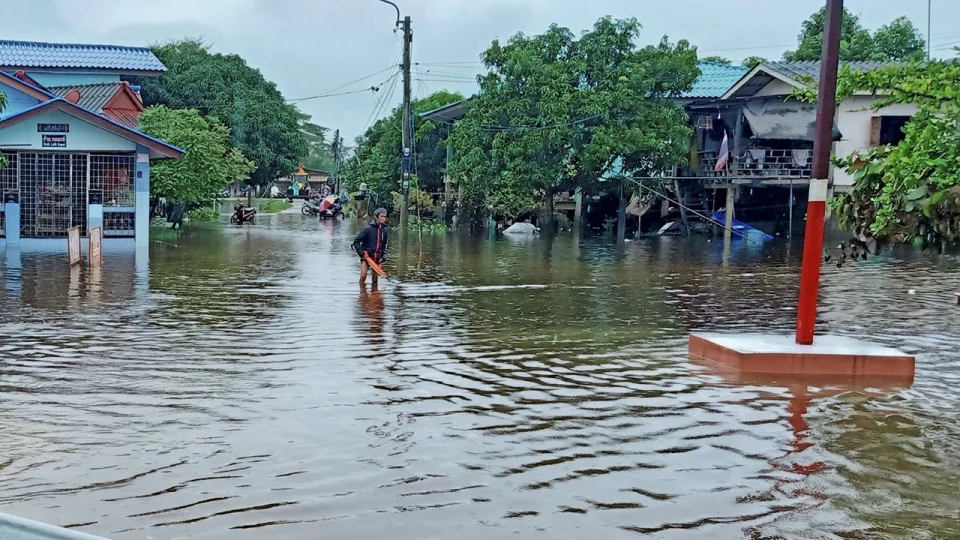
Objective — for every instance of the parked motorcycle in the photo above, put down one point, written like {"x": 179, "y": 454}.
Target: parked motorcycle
{"x": 310, "y": 207}
{"x": 243, "y": 213}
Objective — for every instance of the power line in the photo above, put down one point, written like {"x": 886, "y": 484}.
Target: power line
{"x": 301, "y": 100}
{"x": 330, "y": 92}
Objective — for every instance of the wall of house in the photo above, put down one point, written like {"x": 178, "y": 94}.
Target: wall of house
{"x": 66, "y": 78}
{"x": 81, "y": 137}
{"x": 16, "y": 100}
{"x": 853, "y": 121}
{"x": 776, "y": 87}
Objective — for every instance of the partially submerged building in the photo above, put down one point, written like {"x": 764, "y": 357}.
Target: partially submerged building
{"x": 74, "y": 156}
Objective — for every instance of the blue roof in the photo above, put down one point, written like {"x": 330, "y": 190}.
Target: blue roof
{"x": 715, "y": 79}
{"x": 30, "y": 54}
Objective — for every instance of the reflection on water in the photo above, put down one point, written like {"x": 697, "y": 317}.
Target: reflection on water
{"x": 239, "y": 384}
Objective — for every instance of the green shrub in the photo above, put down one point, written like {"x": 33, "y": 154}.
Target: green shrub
{"x": 203, "y": 215}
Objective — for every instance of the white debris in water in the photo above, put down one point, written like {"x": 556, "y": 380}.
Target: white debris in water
{"x": 521, "y": 228}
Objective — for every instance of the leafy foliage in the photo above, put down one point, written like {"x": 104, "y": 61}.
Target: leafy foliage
{"x": 717, "y": 60}
{"x": 753, "y": 61}
{"x": 376, "y": 160}
{"x": 210, "y": 164}
{"x": 899, "y": 40}
{"x": 262, "y": 124}
{"x": 911, "y": 191}
{"x": 557, "y": 112}
{"x": 319, "y": 156}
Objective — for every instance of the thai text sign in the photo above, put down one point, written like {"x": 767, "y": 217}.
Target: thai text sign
{"x": 53, "y": 128}
{"x": 54, "y": 141}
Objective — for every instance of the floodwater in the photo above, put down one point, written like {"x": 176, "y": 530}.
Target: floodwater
{"x": 239, "y": 385}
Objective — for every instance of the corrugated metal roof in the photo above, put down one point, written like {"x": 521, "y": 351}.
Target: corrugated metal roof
{"x": 797, "y": 70}
{"x": 29, "y": 54}
{"x": 715, "y": 79}
{"x": 92, "y": 96}
{"x": 127, "y": 117}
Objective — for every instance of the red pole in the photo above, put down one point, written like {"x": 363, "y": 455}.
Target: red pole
{"x": 822, "y": 148}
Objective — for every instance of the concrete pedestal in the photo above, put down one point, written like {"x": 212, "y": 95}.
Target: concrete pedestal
{"x": 779, "y": 354}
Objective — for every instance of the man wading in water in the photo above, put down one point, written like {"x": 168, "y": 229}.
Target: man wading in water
{"x": 372, "y": 241}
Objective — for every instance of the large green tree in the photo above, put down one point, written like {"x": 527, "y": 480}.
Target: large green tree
{"x": 910, "y": 191}
{"x": 319, "y": 155}
{"x": 377, "y": 161}
{"x": 263, "y": 125}
{"x": 556, "y": 112}
{"x": 899, "y": 40}
{"x": 209, "y": 165}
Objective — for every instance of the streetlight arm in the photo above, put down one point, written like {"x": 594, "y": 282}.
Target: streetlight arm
{"x": 394, "y": 7}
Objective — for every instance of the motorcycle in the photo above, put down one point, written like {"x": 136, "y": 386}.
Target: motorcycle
{"x": 329, "y": 208}
{"x": 243, "y": 213}
{"x": 310, "y": 207}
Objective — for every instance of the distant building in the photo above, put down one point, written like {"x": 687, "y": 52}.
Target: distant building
{"x": 68, "y": 133}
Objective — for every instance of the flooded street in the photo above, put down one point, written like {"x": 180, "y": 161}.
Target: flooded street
{"x": 239, "y": 385}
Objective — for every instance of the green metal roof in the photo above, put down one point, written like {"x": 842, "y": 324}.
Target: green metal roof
{"x": 715, "y": 79}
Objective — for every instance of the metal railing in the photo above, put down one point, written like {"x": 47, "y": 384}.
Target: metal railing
{"x": 758, "y": 162}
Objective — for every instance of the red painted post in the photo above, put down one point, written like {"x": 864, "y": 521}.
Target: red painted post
{"x": 822, "y": 148}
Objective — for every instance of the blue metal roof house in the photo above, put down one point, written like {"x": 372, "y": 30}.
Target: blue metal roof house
{"x": 71, "y": 159}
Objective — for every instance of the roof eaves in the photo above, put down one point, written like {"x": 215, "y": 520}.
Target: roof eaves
{"x": 60, "y": 104}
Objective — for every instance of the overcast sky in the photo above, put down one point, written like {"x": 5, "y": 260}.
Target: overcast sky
{"x": 310, "y": 47}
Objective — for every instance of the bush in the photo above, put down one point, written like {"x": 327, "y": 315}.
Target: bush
{"x": 275, "y": 206}
{"x": 203, "y": 215}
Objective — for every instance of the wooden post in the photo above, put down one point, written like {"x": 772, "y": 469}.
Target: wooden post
{"x": 728, "y": 225}
{"x": 682, "y": 200}
{"x": 578, "y": 210}
{"x": 622, "y": 218}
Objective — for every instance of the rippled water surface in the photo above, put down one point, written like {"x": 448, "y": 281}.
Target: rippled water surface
{"x": 237, "y": 384}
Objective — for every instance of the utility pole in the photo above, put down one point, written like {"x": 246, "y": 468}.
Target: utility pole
{"x": 336, "y": 148}
{"x": 407, "y": 128}
{"x": 407, "y": 145}
{"x": 819, "y": 181}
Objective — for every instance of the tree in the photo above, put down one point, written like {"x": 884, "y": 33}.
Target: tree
{"x": 209, "y": 165}
{"x": 319, "y": 155}
{"x": 263, "y": 125}
{"x": 717, "y": 60}
{"x": 376, "y": 160}
{"x": 909, "y": 192}
{"x": 899, "y": 40}
{"x": 557, "y": 112}
{"x": 753, "y": 61}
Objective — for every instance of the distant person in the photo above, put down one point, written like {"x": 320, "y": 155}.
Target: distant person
{"x": 372, "y": 241}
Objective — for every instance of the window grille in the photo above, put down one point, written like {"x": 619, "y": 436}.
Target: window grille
{"x": 112, "y": 176}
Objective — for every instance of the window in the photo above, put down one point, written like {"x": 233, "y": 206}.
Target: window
{"x": 111, "y": 177}
{"x": 886, "y": 130}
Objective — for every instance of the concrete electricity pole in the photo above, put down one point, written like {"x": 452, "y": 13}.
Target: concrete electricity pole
{"x": 820, "y": 176}
{"x": 336, "y": 148}
{"x": 407, "y": 129}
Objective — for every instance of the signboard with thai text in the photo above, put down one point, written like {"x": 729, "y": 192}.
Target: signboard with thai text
{"x": 53, "y": 128}
{"x": 54, "y": 141}
{"x": 73, "y": 245}
{"x": 95, "y": 253}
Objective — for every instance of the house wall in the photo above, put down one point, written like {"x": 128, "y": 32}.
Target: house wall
{"x": 16, "y": 100}
{"x": 776, "y": 87}
{"x": 82, "y": 136}
{"x": 853, "y": 121}
{"x": 67, "y": 78}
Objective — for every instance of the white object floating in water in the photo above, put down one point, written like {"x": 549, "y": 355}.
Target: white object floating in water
{"x": 521, "y": 228}
{"x": 912, "y": 291}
